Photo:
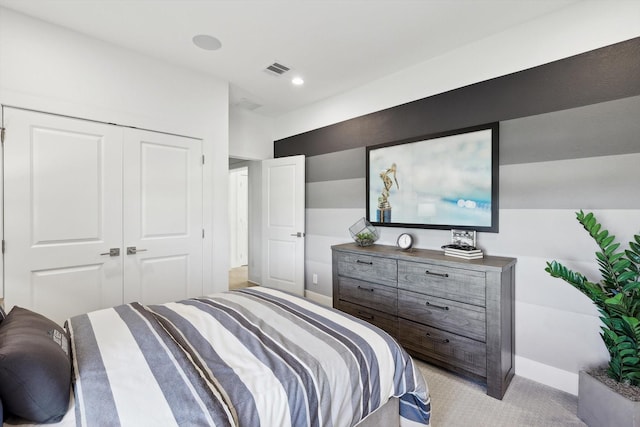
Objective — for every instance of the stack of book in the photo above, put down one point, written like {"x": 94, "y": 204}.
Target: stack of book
{"x": 464, "y": 253}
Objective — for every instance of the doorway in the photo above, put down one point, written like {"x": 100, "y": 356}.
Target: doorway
{"x": 252, "y": 274}
{"x": 238, "y": 224}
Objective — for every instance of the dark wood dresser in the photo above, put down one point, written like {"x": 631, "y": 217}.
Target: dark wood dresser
{"x": 458, "y": 314}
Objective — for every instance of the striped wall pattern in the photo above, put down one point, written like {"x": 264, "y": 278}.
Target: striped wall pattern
{"x": 569, "y": 141}
{"x": 551, "y": 165}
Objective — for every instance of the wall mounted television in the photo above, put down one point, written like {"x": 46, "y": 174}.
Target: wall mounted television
{"x": 447, "y": 180}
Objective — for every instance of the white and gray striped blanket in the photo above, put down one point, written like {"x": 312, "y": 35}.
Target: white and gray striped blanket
{"x": 255, "y": 357}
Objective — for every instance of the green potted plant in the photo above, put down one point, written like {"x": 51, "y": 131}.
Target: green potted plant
{"x": 617, "y": 298}
{"x": 365, "y": 238}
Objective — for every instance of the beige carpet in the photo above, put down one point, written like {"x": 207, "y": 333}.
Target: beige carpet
{"x": 459, "y": 402}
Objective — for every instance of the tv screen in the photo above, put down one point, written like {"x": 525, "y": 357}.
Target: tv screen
{"x": 442, "y": 181}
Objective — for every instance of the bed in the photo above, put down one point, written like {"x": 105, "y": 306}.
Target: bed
{"x": 252, "y": 357}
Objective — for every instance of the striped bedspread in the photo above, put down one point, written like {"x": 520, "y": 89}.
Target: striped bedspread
{"x": 254, "y": 357}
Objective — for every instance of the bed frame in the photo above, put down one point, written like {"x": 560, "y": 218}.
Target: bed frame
{"x": 387, "y": 415}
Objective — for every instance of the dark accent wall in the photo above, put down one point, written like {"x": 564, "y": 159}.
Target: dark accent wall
{"x": 604, "y": 74}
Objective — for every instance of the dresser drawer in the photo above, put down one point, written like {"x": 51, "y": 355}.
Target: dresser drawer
{"x": 378, "y": 297}
{"x": 382, "y": 320}
{"x": 445, "y": 282}
{"x": 459, "y": 318}
{"x": 449, "y": 349}
{"x": 369, "y": 268}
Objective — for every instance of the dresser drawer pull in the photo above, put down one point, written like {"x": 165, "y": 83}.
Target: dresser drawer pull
{"x": 440, "y": 340}
{"x": 365, "y": 289}
{"x": 365, "y": 316}
{"x": 441, "y": 307}
{"x": 436, "y": 274}
{"x": 364, "y": 262}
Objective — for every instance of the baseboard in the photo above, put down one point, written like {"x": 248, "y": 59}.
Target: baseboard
{"x": 319, "y": 298}
{"x": 547, "y": 375}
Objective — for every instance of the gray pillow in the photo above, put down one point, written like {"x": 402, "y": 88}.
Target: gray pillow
{"x": 35, "y": 367}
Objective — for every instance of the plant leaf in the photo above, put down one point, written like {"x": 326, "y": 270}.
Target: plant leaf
{"x": 632, "y": 256}
{"x": 610, "y": 249}
{"x": 600, "y": 237}
{"x": 621, "y": 265}
{"x": 626, "y": 276}
{"x": 606, "y": 242}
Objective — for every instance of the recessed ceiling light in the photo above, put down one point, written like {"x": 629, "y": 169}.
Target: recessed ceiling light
{"x": 297, "y": 81}
{"x": 206, "y": 42}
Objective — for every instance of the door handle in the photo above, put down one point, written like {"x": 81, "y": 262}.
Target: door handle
{"x": 298, "y": 234}
{"x": 132, "y": 250}
{"x": 112, "y": 252}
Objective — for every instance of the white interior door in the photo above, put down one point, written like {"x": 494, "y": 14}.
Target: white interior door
{"x": 63, "y": 213}
{"x": 163, "y": 210}
{"x": 283, "y": 222}
{"x": 238, "y": 217}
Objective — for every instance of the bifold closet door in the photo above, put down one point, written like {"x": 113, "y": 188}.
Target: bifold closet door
{"x": 63, "y": 213}
{"x": 163, "y": 217}
{"x": 97, "y": 215}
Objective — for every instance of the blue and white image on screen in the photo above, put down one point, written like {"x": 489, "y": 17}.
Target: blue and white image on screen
{"x": 441, "y": 181}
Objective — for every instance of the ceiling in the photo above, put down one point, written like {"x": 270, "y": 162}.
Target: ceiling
{"x": 333, "y": 45}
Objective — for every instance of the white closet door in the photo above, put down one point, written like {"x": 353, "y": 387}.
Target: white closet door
{"x": 163, "y": 217}
{"x": 63, "y": 212}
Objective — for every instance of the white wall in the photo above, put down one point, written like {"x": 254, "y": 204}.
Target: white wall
{"x": 255, "y": 222}
{"x": 48, "y": 68}
{"x": 250, "y": 135}
{"x": 557, "y": 328}
{"x": 251, "y": 138}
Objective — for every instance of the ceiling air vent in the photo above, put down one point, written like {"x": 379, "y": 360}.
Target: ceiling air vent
{"x": 276, "y": 69}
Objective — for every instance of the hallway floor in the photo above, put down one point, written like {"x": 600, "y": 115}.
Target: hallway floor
{"x": 238, "y": 278}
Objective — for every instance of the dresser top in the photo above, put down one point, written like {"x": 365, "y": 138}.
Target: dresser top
{"x": 422, "y": 255}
